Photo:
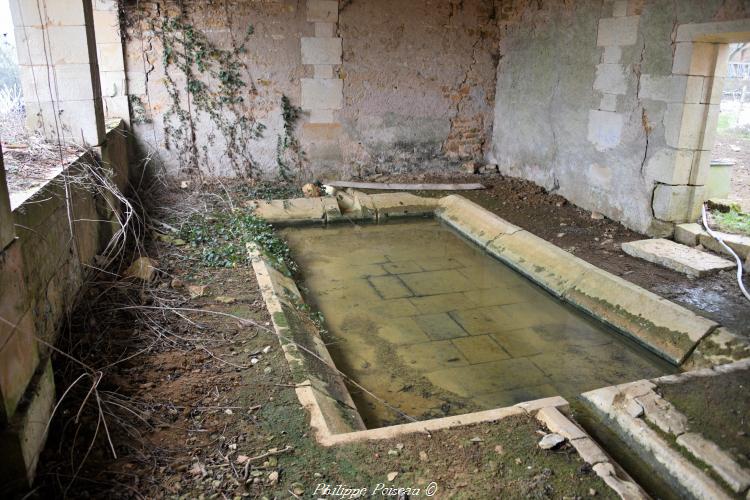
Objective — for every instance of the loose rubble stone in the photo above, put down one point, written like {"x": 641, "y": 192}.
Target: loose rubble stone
{"x": 550, "y": 441}
{"x": 310, "y": 191}
{"x": 662, "y": 414}
{"x": 633, "y": 409}
{"x": 143, "y": 268}
{"x": 196, "y": 291}
{"x": 470, "y": 167}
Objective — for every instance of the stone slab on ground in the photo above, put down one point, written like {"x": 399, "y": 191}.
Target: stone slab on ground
{"x": 737, "y": 242}
{"x": 688, "y": 234}
{"x": 680, "y": 258}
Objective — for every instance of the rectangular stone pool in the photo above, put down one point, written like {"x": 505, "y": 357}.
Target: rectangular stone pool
{"x": 432, "y": 324}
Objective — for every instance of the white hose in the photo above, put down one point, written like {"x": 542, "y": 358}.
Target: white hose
{"x": 726, "y": 247}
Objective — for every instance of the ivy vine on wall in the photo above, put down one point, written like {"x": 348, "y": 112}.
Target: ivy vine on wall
{"x": 289, "y": 154}
{"x": 203, "y": 80}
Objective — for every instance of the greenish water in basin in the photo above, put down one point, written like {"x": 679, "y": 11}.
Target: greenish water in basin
{"x": 435, "y": 326}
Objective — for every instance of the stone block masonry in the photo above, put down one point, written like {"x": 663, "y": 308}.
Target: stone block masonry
{"x": 60, "y": 73}
{"x": 41, "y": 271}
{"x": 322, "y": 95}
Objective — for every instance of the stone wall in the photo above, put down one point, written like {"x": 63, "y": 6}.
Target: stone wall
{"x": 387, "y": 82}
{"x": 191, "y": 136}
{"x": 610, "y": 103}
{"x": 419, "y": 80}
{"x": 41, "y": 272}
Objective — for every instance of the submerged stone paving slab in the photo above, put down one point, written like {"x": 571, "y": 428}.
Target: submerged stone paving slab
{"x": 680, "y": 258}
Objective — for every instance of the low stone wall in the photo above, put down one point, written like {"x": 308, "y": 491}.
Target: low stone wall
{"x": 41, "y": 272}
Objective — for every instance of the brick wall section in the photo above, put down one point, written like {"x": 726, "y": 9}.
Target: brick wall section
{"x": 466, "y": 138}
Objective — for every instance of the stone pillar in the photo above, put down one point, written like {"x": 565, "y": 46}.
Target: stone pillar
{"x": 322, "y": 95}
{"x": 111, "y": 59}
{"x": 606, "y": 123}
{"x": 56, "y": 49}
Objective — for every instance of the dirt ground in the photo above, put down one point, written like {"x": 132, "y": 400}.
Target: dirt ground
{"x": 189, "y": 414}
{"x": 598, "y": 241}
{"x": 195, "y": 401}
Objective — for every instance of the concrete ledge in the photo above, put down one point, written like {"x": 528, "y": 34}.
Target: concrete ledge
{"x": 664, "y": 327}
{"x": 442, "y": 423}
{"x": 544, "y": 263}
{"x": 294, "y": 211}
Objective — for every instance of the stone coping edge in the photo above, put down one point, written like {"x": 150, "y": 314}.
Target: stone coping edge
{"x": 668, "y": 329}
{"x": 635, "y": 410}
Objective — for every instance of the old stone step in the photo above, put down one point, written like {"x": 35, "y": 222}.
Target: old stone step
{"x": 737, "y": 242}
{"x": 680, "y": 258}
